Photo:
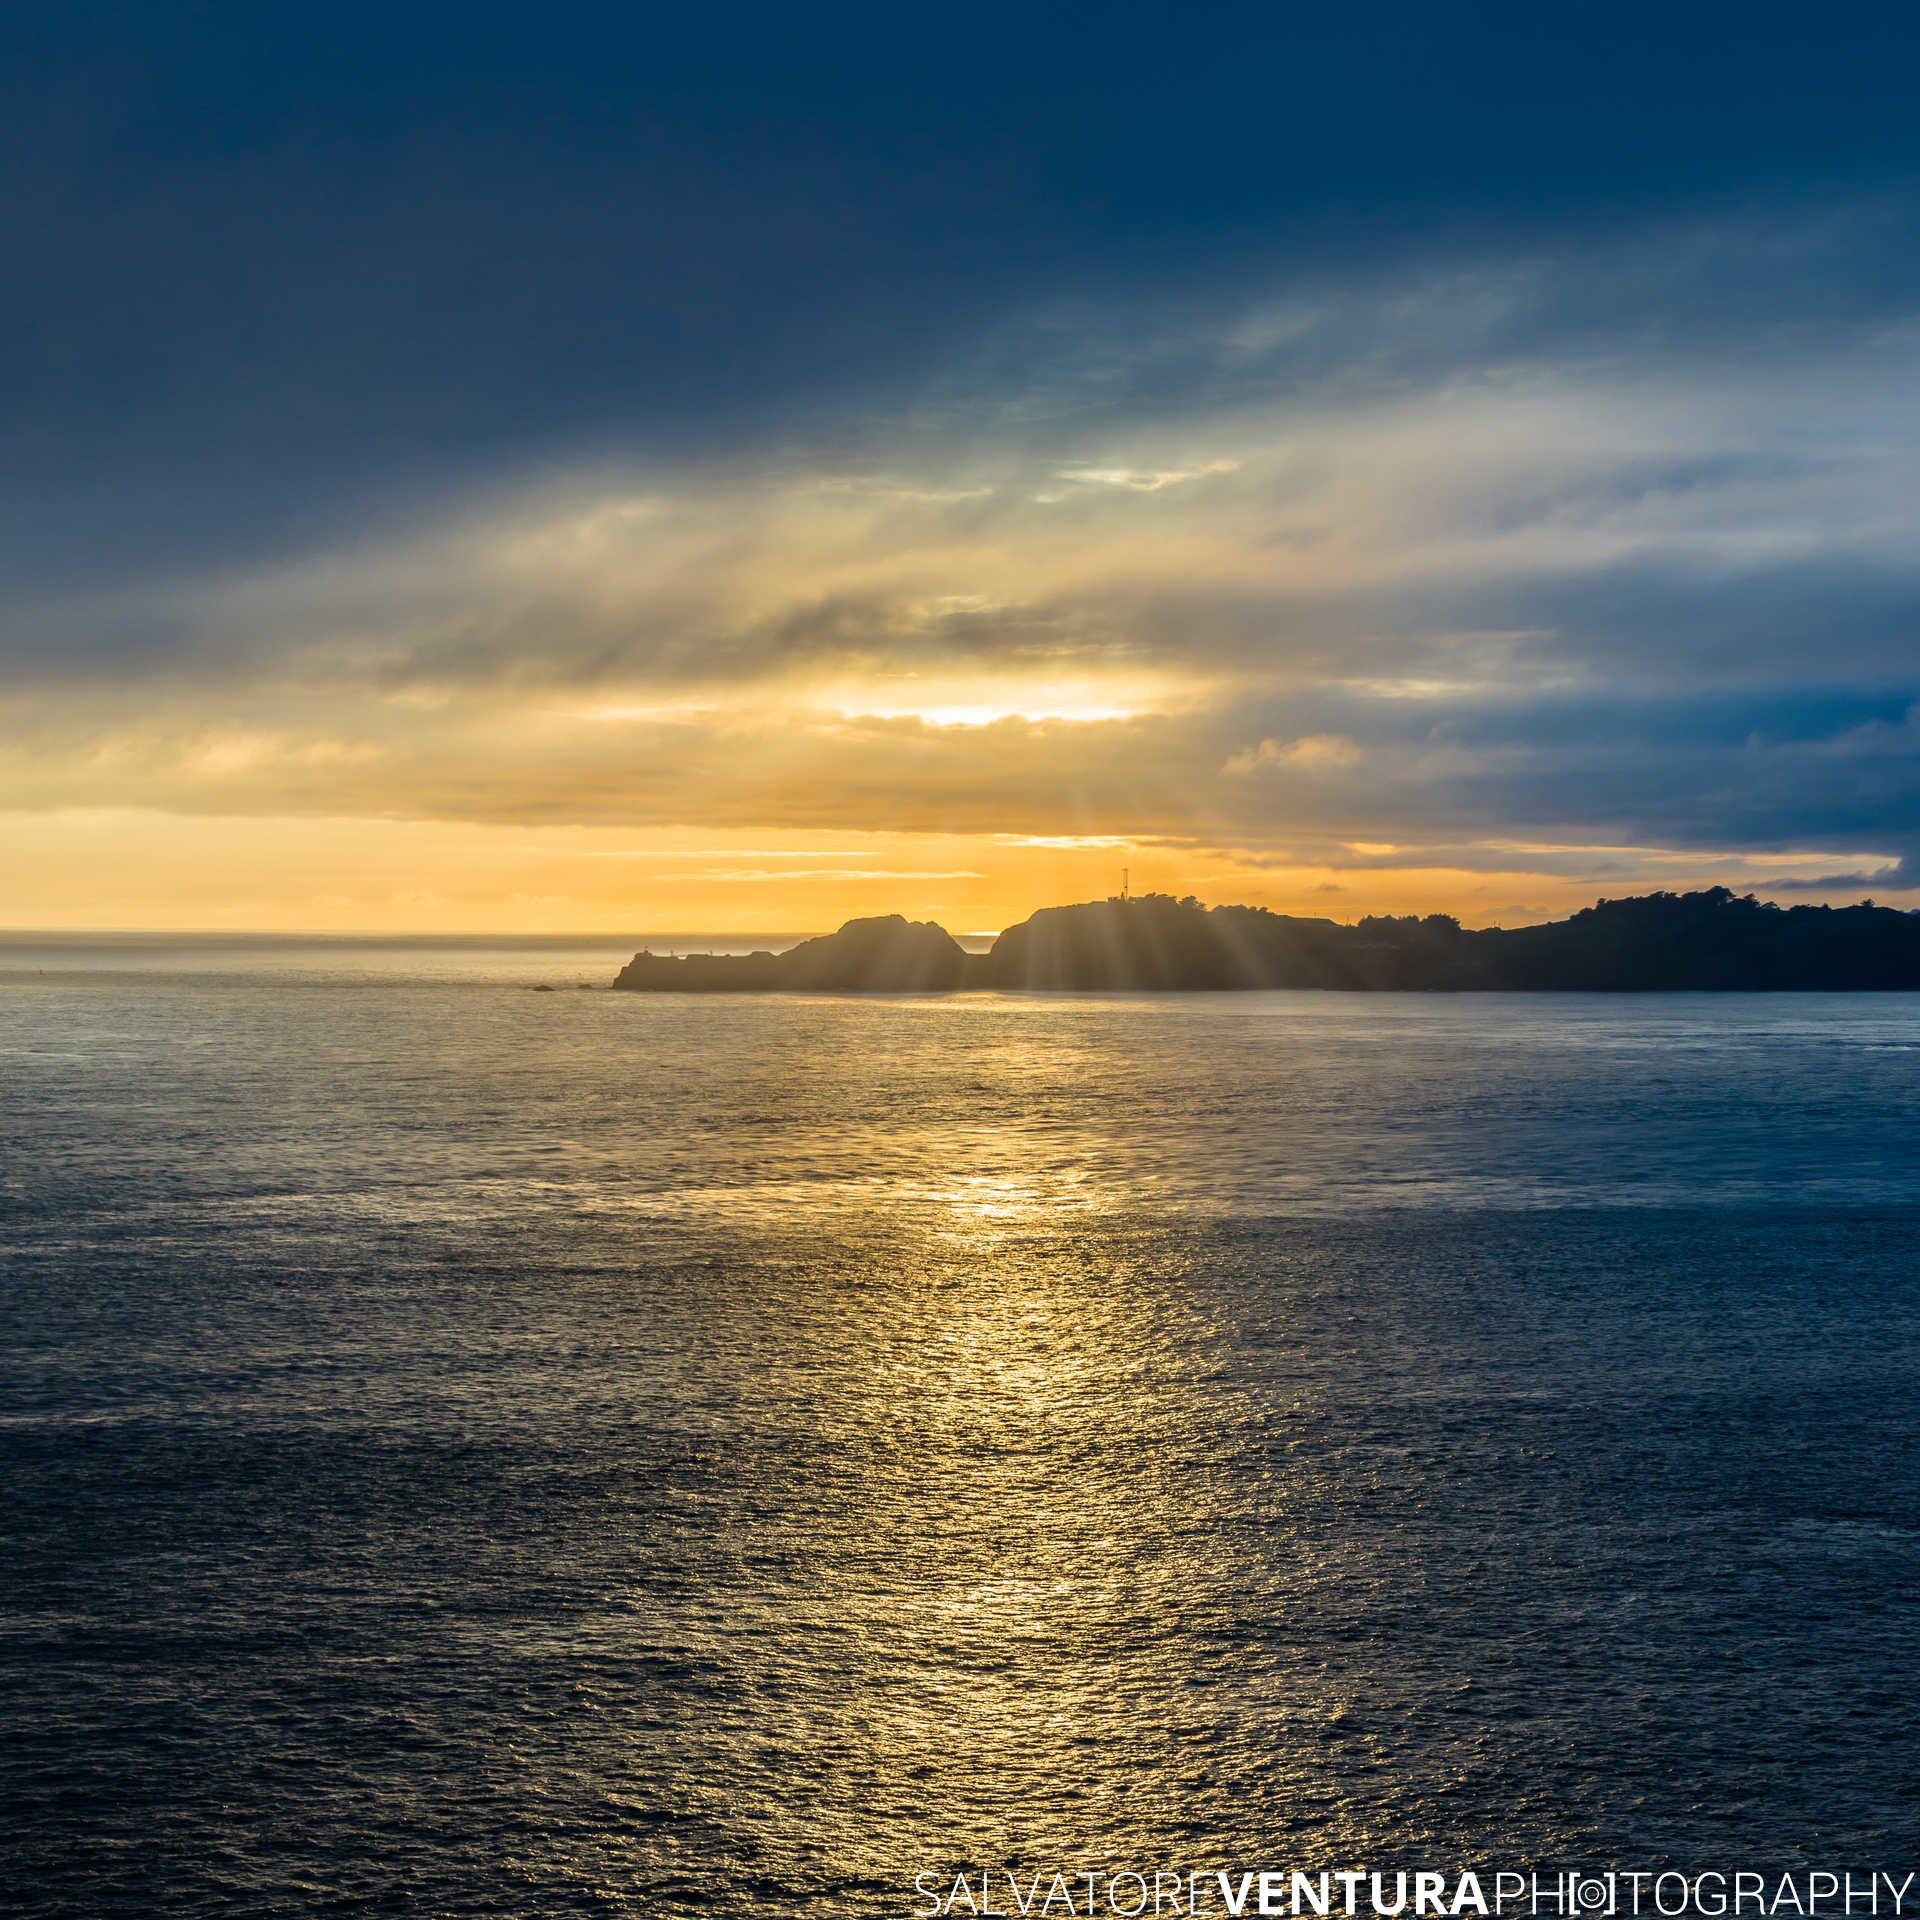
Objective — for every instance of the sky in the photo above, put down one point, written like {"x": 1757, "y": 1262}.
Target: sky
{"x": 584, "y": 468}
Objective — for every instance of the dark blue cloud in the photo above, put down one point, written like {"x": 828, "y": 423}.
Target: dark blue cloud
{"x": 273, "y": 267}
{"x": 287, "y": 289}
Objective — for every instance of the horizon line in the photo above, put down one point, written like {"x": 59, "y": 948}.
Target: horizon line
{"x": 593, "y": 935}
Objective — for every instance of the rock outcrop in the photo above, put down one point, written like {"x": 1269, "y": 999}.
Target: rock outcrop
{"x": 886, "y": 954}
{"x": 1710, "y": 941}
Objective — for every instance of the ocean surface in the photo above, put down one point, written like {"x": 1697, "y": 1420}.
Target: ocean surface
{"x": 471, "y": 1451}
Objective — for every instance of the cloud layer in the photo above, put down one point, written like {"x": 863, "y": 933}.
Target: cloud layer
{"x": 1556, "y": 551}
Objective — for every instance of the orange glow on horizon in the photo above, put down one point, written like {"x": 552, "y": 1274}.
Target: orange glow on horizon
{"x": 126, "y": 869}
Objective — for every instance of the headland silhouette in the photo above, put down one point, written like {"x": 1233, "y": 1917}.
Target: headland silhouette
{"x": 1712, "y": 941}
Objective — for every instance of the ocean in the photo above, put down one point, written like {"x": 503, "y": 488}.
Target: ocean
{"x": 477, "y": 1451}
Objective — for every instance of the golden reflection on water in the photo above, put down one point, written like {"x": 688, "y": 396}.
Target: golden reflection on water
{"x": 1028, "y": 1552}
{"x": 998, "y": 1205}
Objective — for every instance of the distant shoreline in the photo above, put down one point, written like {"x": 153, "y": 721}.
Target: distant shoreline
{"x": 1710, "y": 941}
